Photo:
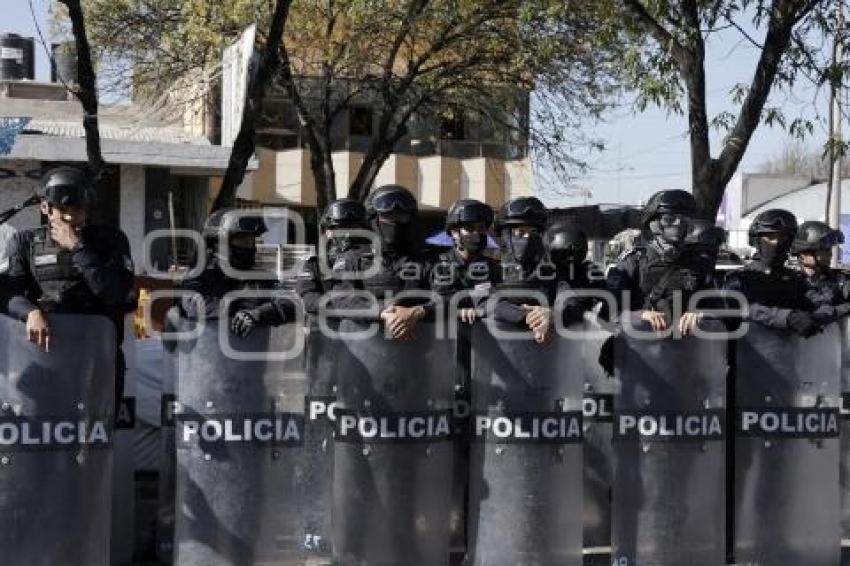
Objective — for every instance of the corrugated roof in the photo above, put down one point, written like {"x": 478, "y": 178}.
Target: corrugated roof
{"x": 120, "y": 122}
{"x": 141, "y": 133}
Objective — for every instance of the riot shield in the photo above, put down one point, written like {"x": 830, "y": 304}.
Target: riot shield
{"x": 598, "y": 451}
{"x": 786, "y": 448}
{"x": 56, "y": 436}
{"x": 844, "y": 474}
{"x": 392, "y": 449}
{"x": 239, "y": 427}
{"x": 316, "y": 478}
{"x": 525, "y": 486}
{"x": 165, "y": 496}
{"x": 669, "y": 423}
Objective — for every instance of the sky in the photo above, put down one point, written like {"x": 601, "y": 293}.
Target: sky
{"x": 644, "y": 152}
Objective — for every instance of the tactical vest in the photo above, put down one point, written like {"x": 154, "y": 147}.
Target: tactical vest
{"x": 388, "y": 279}
{"x": 660, "y": 279}
{"x": 59, "y": 280}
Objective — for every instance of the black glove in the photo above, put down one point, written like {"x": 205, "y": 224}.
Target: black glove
{"x": 606, "y": 356}
{"x": 243, "y": 323}
{"x": 802, "y": 323}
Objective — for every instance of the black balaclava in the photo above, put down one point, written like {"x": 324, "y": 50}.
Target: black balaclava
{"x": 474, "y": 243}
{"x": 528, "y": 252}
{"x": 667, "y": 240}
{"x": 243, "y": 258}
{"x": 773, "y": 255}
{"x": 396, "y": 236}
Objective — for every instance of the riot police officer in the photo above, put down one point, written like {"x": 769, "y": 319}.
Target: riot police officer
{"x": 647, "y": 278}
{"x": 567, "y": 246}
{"x": 240, "y": 231}
{"x": 397, "y": 265}
{"x": 521, "y": 224}
{"x": 702, "y": 247}
{"x": 813, "y": 247}
{"x": 69, "y": 265}
{"x": 465, "y": 268}
{"x": 339, "y": 217}
{"x": 777, "y": 295}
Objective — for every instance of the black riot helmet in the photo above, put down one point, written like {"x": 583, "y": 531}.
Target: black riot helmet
{"x": 391, "y": 210}
{"x": 705, "y": 235}
{"x": 668, "y": 202}
{"x": 227, "y": 221}
{"x": 666, "y": 220}
{"x": 67, "y": 186}
{"x": 343, "y": 212}
{"x": 468, "y": 211}
{"x": 528, "y": 211}
{"x": 814, "y": 235}
{"x": 567, "y": 244}
{"x": 391, "y": 200}
{"x": 526, "y": 250}
{"x": 241, "y": 232}
{"x": 773, "y": 221}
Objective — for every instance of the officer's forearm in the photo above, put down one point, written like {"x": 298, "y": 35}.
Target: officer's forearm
{"x": 774, "y": 317}
{"x": 20, "y": 307}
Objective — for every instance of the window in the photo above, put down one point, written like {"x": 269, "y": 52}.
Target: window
{"x": 360, "y": 121}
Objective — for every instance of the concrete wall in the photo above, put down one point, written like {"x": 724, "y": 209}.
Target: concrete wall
{"x": 132, "y": 211}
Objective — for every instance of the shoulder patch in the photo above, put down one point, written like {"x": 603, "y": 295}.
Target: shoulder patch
{"x": 636, "y": 251}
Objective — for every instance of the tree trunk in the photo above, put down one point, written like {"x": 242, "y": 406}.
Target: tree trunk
{"x": 86, "y": 92}
{"x": 243, "y": 146}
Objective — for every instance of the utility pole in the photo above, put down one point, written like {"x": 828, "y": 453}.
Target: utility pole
{"x": 835, "y": 153}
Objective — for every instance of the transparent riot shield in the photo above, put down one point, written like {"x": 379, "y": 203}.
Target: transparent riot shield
{"x": 669, "y": 432}
{"x": 316, "y": 478}
{"x": 844, "y": 474}
{"x": 393, "y": 453}
{"x": 56, "y": 433}
{"x": 597, "y": 409}
{"x": 787, "y": 499}
{"x": 165, "y": 495}
{"x": 525, "y": 487}
{"x": 239, "y": 428}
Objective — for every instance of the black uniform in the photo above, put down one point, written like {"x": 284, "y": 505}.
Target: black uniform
{"x": 829, "y": 291}
{"x": 213, "y": 285}
{"x": 94, "y": 278}
{"x": 773, "y": 293}
{"x": 476, "y": 279}
{"x": 576, "y": 277}
{"x": 397, "y": 273}
{"x": 509, "y": 309}
{"x": 653, "y": 281}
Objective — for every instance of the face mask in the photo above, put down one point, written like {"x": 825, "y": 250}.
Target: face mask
{"x": 243, "y": 259}
{"x": 473, "y": 243}
{"x": 394, "y": 236}
{"x": 774, "y": 255}
{"x": 527, "y": 251}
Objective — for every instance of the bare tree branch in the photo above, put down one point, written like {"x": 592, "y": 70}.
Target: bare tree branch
{"x": 243, "y": 146}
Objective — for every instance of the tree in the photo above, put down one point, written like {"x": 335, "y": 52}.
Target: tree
{"x": 797, "y": 159}
{"x": 243, "y": 146}
{"x": 86, "y": 91}
{"x": 664, "y": 59}
{"x": 410, "y": 57}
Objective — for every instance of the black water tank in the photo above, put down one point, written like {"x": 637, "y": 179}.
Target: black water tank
{"x": 64, "y": 62}
{"x": 17, "y": 57}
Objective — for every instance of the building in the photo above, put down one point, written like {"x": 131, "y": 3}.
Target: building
{"x": 158, "y": 171}
{"x": 749, "y": 194}
{"x": 442, "y": 158}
